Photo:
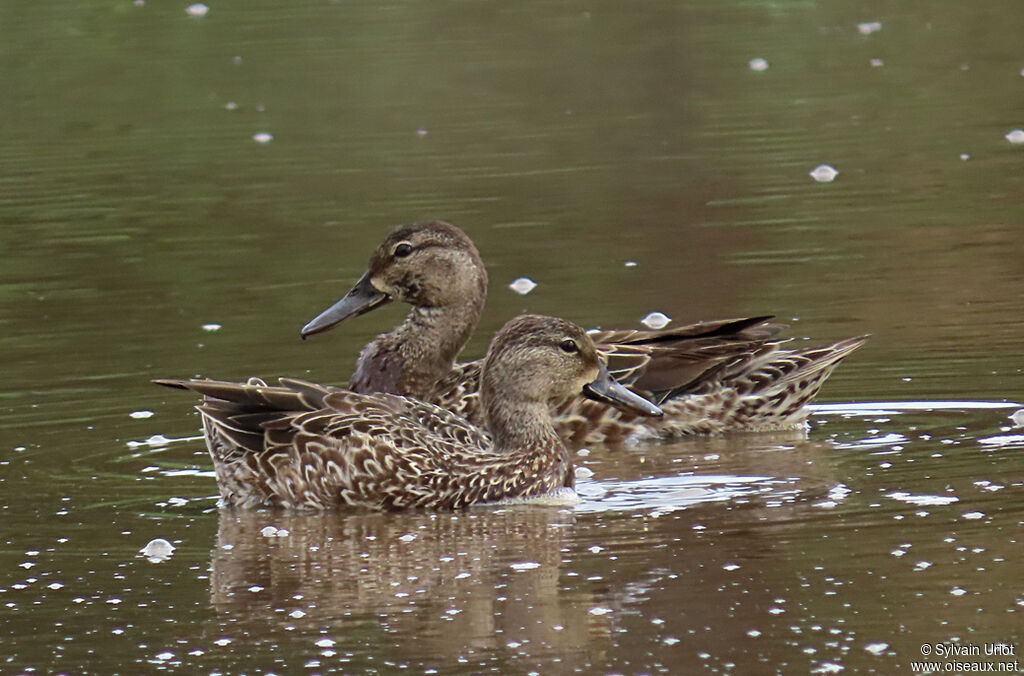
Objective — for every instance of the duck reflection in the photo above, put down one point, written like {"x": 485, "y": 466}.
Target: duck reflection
{"x": 477, "y": 579}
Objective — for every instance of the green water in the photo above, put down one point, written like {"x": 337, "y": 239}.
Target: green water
{"x": 567, "y": 138}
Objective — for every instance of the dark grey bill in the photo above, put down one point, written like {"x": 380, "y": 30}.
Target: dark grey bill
{"x": 360, "y": 300}
{"x": 605, "y": 390}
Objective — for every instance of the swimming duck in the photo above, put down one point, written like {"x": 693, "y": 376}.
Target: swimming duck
{"x": 306, "y": 446}
{"x": 710, "y": 377}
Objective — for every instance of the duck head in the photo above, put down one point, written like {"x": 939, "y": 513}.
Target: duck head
{"x": 542, "y": 360}
{"x": 432, "y": 265}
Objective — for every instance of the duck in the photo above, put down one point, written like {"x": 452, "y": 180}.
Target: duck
{"x": 711, "y": 377}
{"x": 309, "y": 447}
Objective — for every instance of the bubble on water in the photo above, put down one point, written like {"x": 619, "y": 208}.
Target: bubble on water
{"x": 268, "y": 531}
{"x": 922, "y": 565}
{"x": 524, "y": 565}
{"x": 731, "y": 567}
{"x": 198, "y": 9}
{"x": 164, "y": 656}
{"x": 421, "y": 132}
{"x": 877, "y": 648}
{"x": 973, "y": 516}
{"x": 523, "y": 285}
{"x": 584, "y": 472}
{"x": 408, "y": 537}
{"x": 1018, "y": 418}
{"x": 140, "y": 414}
{"x": 877, "y": 63}
{"x": 823, "y": 173}
{"x": 757, "y": 65}
{"x": 255, "y": 589}
{"x": 869, "y": 27}
{"x": 157, "y": 550}
{"x": 957, "y": 591}
{"x": 965, "y": 156}
{"x": 827, "y": 668}
{"x": 753, "y": 633}
{"x": 230, "y": 105}
{"x": 222, "y": 641}
{"x": 210, "y": 328}
{"x": 324, "y": 643}
{"x": 670, "y": 640}
{"x": 599, "y": 611}
{"x": 297, "y": 614}
{"x": 1015, "y": 136}
{"x": 630, "y": 264}
{"x": 898, "y": 552}
{"x": 656, "y": 320}
{"x": 262, "y": 137}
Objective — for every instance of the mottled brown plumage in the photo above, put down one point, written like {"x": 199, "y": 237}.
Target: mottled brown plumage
{"x": 305, "y": 446}
{"x": 710, "y": 377}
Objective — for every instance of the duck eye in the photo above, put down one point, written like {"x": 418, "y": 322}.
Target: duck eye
{"x": 569, "y": 346}
{"x": 402, "y": 250}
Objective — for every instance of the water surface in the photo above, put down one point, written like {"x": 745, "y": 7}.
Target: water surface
{"x": 568, "y": 139}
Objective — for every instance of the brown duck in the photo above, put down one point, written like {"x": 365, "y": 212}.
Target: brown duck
{"x": 710, "y": 377}
{"x": 305, "y": 446}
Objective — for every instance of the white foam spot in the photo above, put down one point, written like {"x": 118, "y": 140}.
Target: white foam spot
{"x": 523, "y": 285}
{"x": 324, "y": 643}
{"x": 1015, "y": 136}
{"x": 877, "y": 63}
{"x": 198, "y": 9}
{"x": 140, "y": 414}
{"x": 757, "y": 65}
{"x": 210, "y": 328}
{"x": 823, "y": 173}
{"x": 230, "y": 105}
{"x": 524, "y": 565}
{"x": 584, "y": 472}
{"x": 974, "y": 516}
{"x": 157, "y": 550}
{"x": 957, "y": 591}
{"x": 877, "y": 648}
{"x": 262, "y": 137}
{"x": 923, "y": 500}
{"x": 408, "y": 537}
{"x": 656, "y": 320}
{"x": 869, "y": 27}
{"x": 599, "y": 611}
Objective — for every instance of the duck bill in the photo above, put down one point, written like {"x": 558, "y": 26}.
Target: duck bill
{"x": 605, "y": 390}
{"x": 362, "y": 298}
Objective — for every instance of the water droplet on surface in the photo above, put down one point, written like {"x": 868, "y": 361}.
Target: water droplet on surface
{"x": 198, "y": 9}
{"x": 523, "y": 285}
{"x": 757, "y": 65}
{"x": 584, "y": 472}
{"x": 656, "y": 320}
{"x": 1015, "y": 136}
{"x": 157, "y": 550}
{"x": 823, "y": 173}
{"x": 263, "y": 138}
{"x": 140, "y": 414}
{"x": 869, "y": 27}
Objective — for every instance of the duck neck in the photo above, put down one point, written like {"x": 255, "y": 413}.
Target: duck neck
{"x": 426, "y": 343}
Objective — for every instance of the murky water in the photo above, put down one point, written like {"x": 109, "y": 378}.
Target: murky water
{"x": 139, "y": 206}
